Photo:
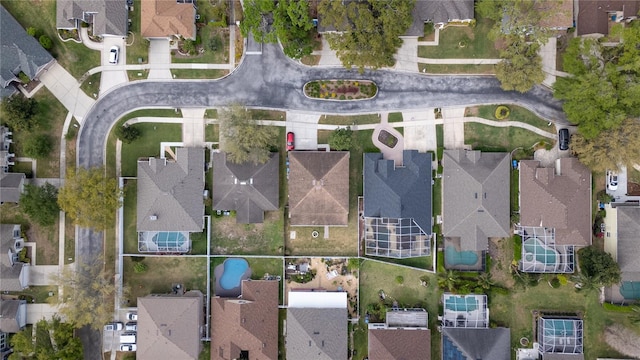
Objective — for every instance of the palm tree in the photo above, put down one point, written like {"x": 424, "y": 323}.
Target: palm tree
{"x": 448, "y": 280}
{"x": 485, "y": 281}
{"x": 586, "y": 283}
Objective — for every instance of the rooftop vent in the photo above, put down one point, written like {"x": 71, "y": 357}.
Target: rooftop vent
{"x": 153, "y": 217}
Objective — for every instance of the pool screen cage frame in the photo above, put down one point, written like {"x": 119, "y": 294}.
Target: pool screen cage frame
{"x": 146, "y": 244}
{"x": 572, "y": 344}
{"x": 566, "y": 253}
{"x": 416, "y": 248}
{"x": 463, "y": 318}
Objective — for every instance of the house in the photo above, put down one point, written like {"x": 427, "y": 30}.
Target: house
{"x": 555, "y": 214}
{"x": 246, "y": 327}
{"x": 319, "y": 188}
{"x": 21, "y": 53}
{"x": 397, "y": 205}
{"x": 5, "y": 348}
{"x": 466, "y": 311}
{"x": 560, "y": 338}
{"x": 6, "y": 158}
{"x": 168, "y": 19}
{"x": 247, "y": 188}
{"x": 106, "y": 17}
{"x": 598, "y": 16}
{"x": 316, "y": 325}
{"x": 11, "y": 187}
{"x": 14, "y": 275}
{"x": 13, "y": 316}
{"x": 475, "y": 192}
{"x": 170, "y": 326}
{"x": 170, "y": 201}
{"x": 439, "y": 13}
{"x": 404, "y": 335}
{"x": 622, "y": 226}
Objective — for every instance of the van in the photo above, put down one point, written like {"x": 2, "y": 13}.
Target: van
{"x": 563, "y": 139}
{"x": 131, "y": 326}
{"x": 128, "y": 338}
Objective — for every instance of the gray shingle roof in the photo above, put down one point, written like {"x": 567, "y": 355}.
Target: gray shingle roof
{"x": 629, "y": 242}
{"x": 402, "y": 192}
{"x": 109, "y": 17}
{"x": 438, "y": 11}
{"x": 172, "y": 191}
{"x": 247, "y": 188}
{"x": 319, "y": 334}
{"x": 20, "y": 52}
{"x": 475, "y": 189}
{"x": 10, "y": 272}
{"x": 13, "y": 315}
{"x": 485, "y": 343}
{"x": 11, "y": 187}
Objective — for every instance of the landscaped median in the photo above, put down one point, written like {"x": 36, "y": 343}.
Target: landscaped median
{"x": 341, "y": 89}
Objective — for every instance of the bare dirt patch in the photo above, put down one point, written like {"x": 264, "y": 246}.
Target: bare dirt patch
{"x": 623, "y": 340}
{"x": 501, "y": 251}
{"x": 229, "y": 237}
{"x": 633, "y": 189}
{"x": 46, "y": 239}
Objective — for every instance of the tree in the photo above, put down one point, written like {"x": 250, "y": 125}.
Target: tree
{"x": 368, "y": 30}
{"x": 599, "y": 266}
{"x": 485, "y": 281}
{"x": 292, "y": 25}
{"x": 521, "y": 67}
{"x": 38, "y": 146}
{"x": 128, "y": 134}
{"x": 257, "y": 20}
{"x": 32, "y": 31}
{"x": 89, "y": 198}
{"x": 448, "y": 280}
{"x": 67, "y": 347}
{"x": 610, "y": 150}
{"x": 140, "y": 267}
{"x": 40, "y": 203}
{"x": 242, "y": 139}
{"x": 19, "y": 113}
{"x": 45, "y": 41}
{"x": 340, "y": 139}
{"x": 89, "y": 293}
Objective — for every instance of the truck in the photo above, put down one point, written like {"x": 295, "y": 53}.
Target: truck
{"x": 128, "y": 338}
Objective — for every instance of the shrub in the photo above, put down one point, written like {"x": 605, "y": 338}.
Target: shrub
{"x": 502, "y": 112}
{"x": 562, "y": 279}
{"x": 214, "y": 43}
{"x": 22, "y": 256}
{"x": 555, "y": 283}
{"x": 38, "y": 146}
{"x": 128, "y": 134}
{"x": 45, "y": 41}
{"x": 617, "y": 308}
{"x": 32, "y": 31}
{"x": 425, "y": 280}
{"x": 140, "y": 267}
{"x": 23, "y": 77}
{"x": 499, "y": 290}
{"x": 400, "y": 279}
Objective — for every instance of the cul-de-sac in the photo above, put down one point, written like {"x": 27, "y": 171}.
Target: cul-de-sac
{"x": 320, "y": 179}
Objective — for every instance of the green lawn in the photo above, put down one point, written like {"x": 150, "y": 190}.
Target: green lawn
{"x": 91, "y": 85}
{"x": 463, "y": 42}
{"x": 198, "y": 73}
{"x": 423, "y": 262}
{"x": 38, "y": 293}
{"x": 130, "y": 241}
{"x": 70, "y": 241}
{"x": 484, "y": 69}
{"x": 137, "y": 74}
{"x": 138, "y": 47}
{"x": 350, "y": 120}
{"x": 489, "y": 138}
{"x": 515, "y": 190}
{"x": 74, "y": 57}
{"x": 516, "y": 113}
{"x": 219, "y": 56}
{"x": 148, "y": 144}
{"x": 25, "y": 167}
{"x": 212, "y": 133}
{"x": 267, "y": 238}
{"x": 395, "y": 117}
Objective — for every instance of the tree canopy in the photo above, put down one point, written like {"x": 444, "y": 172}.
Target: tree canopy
{"x": 37, "y": 146}
{"x": 40, "y": 203}
{"x": 521, "y": 67}
{"x": 340, "y": 139}
{"x": 89, "y": 198}
{"x": 242, "y": 139}
{"x": 368, "y": 31}
{"x": 19, "y": 112}
{"x": 257, "y": 20}
{"x": 599, "y": 265}
{"x": 48, "y": 333}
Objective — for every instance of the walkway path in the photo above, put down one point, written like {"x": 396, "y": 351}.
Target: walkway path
{"x": 388, "y": 153}
{"x": 86, "y": 41}
{"x": 67, "y": 90}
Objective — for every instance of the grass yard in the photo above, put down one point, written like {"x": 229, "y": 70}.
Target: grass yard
{"x": 212, "y": 133}
{"x": 395, "y": 117}
{"x": 130, "y": 241}
{"x": 148, "y": 144}
{"x": 137, "y": 74}
{"x": 350, "y": 120}
{"x": 515, "y": 190}
{"x": 489, "y": 138}
{"x": 69, "y": 241}
{"x": 74, "y": 57}
{"x": 211, "y": 114}
{"x": 311, "y": 60}
{"x": 516, "y": 113}
{"x": 137, "y": 46}
{"x": 162, "y": 273}
{"x": 198, "y": 73}
{"x": 206, "y": 34}
{"x": 424, "y": 262}
{"x": 91, "y": 85}
{"x": 484, "y": 69}
{"x": 261, "y": 114}
{"x": 38, "y": 293}
{"x": 25, "y": 167}
{"x": 228, "y": 237}
{"x": 463, "y": 42}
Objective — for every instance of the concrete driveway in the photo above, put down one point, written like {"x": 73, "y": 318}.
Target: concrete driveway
{"x": 113, "y": 75}
{"x": 159, "y": 59}
{"x": 420, "y": 130}
{"x": 67, "y": 90}
{"x": 305, "y": 128}
{"x": 453, "y": 128}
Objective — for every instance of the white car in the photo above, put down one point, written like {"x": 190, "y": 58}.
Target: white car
{"x": 131, "y": 326}
{"x": 128, "y": 347}
{"x": 612, "y": 180}
{"x": 113, "y": 55}
{"x": 114, "y": 326}
{"x": 133, "y": 316}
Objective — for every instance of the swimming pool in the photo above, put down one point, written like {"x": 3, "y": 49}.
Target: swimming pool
{"x": 554, "y": 327}
{"x": 534, "y": 249}
{"x": 630, "y": 290}
{"x": 459, "y": 303}
{"x": 169, "y": 240}
{"x": 233, "y": 273}
{"x": 453, "y": 257}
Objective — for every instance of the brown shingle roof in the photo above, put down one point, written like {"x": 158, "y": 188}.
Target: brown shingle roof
{"x": 246, "y": 324}
{"x": 593, "y": 15}
{"x": 164, "y": 18}
{"x": 319, "y": 187}
{"x": 561, "y": 201}
{"x": 399, "y": 344}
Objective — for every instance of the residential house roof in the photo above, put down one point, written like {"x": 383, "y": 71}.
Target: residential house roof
{"x": 594, "y": 15}
{"x": 109, "y": 17}
{"x": 559, "y": 13}
{"x": 628, "y": 254}
{"x": 476, "y": 343}
{"x": 246, "y": 324}
{"x": 475, "y": 189}
{"x": 13, "y": 315}
{"x": 438, "y": 12}
{"x": 399, "y": 192}
{"x": 558, "y": 198}
{"x": 170, "y": 193}
{"x": 319, "y": 188}
{"x": 399, "y": 344}
{"x": 13, "y": 274}
{"x": 169, "y": 326}
{"x": 20, "y": 53}
{"x": 319, "y": 334}
{"x": 247, "y": 188}
{"x": 166, "y": 18}
{"x": 11, "y": 186}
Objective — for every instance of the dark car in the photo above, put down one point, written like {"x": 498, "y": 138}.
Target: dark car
{"x": 290, "y": 141}
{"x": 563, "y": 139}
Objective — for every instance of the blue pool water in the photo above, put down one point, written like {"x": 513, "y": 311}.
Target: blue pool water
{"x": 453, "y": 257}
{"x": 234, "y": 270}
{"x": 630, "y": 290}
{"x": 558, "y": 327}
{"x": 170, "y": 240}
{"x": 459, "y": 303}
{"x": 542, "y": 253}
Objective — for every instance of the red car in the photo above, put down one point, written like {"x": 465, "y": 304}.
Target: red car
{"x": 290, "y": 141}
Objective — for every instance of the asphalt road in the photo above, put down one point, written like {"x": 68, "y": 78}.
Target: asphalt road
{"x": 273, "y": 81}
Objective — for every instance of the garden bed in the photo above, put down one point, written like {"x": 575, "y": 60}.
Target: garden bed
{"x": 341, "y": 89}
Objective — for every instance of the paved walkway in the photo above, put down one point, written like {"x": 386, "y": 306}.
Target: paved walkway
{"x": 67, "y": 90}
{"x": 388, "y": 153}
{"x": 548, "y": 53}
{"x": 86, "y": 41}
{"x": 159, "y": 59}
{"x": 435, "y": 41}
{"x": 422, "y": 135}
{"x": 193, "y": 126}
{"x": 453, "y": 120}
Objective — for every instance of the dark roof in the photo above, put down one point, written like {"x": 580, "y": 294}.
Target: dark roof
{"x": 247, "y": 188}
{"x": 594, "y": 15}
{"x": 438, "y": 11}
{"x": 319, "y": 334}
{"x": 20, "y": 52}
{"x": 172, "y": 191}
{"x": 13, "y": 315}
{"x": 319, "y": 188}
{"x": 109, "y": 17}
{"x": 399, "y": 192}
{"x": 475, "y": 188}
{"x": 10, "y": 271}
{"x": 399, "y": 344}
{"x": 248, "y": 323}
{"x": 477, "y": 343}
{"x": 11, "y": 187}
{"x": 557, "y": 200}
{"x": 628, "y": 252}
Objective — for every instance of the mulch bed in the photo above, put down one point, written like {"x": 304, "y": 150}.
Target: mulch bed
{"x": 633, "y": 189}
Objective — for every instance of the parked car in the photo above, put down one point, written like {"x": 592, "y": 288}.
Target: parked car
{"x": 113, "y": 326}
{"x": 563, "y": 139}
{"x": 128, "y": 347}
{"x": 131, "y": 326}
{"x": 133, "y": 316}
{"x": 290, "y": 141}
{"x": 113, "y": 55}
{"x": 612, "y": 180}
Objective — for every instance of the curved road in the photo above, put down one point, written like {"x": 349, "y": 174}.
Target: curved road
{"x": 273, "y": 81}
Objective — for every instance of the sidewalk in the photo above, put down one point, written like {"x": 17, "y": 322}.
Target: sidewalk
{"x": 67, "y": 90}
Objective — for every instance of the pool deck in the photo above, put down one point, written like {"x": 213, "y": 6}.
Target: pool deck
{"x": 229, "y": 293}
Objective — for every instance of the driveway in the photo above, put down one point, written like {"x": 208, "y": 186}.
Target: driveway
{"x": 305, "y": 128}
{"x": 113, "y": 75}
{"x": 420, "y": 130}
{"x": 407, "y": 55}
{"x": 159, "y": 59}
{"x": 453, "y": 128}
